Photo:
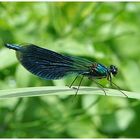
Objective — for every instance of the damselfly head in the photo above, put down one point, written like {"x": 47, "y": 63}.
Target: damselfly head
{"x": 113, "y": 70}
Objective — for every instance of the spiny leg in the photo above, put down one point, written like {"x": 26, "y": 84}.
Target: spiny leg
{"x": 111, "y": 84}
{"x": 118, "y": 89}
{"x": 78, "y": 86}
{"x": 101, "y": 86}
{"x": 73, "y": 81}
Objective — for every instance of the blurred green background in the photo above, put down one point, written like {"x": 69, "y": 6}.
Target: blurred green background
{"x": 108, "y": 33}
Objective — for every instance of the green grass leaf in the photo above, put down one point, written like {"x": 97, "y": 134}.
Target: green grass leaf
{"x": 53, "y": 90}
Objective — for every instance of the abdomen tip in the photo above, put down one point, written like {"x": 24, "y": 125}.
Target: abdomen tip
{"x": 12, "y": 46}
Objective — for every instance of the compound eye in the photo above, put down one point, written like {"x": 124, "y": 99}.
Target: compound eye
{"x": 113, "y": 70}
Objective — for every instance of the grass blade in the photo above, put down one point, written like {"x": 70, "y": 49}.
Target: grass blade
{"x": 52, "y": 90}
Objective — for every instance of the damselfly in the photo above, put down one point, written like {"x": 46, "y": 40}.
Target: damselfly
{"x": 50, "y": 65}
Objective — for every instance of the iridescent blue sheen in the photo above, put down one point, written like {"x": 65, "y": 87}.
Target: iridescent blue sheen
{"x": 48, "y": 64}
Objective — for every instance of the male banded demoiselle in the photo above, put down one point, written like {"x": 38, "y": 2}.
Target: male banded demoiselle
{"x": 50, "y": 65}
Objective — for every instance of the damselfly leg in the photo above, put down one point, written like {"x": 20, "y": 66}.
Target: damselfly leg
{"x": 100, "y": 85}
